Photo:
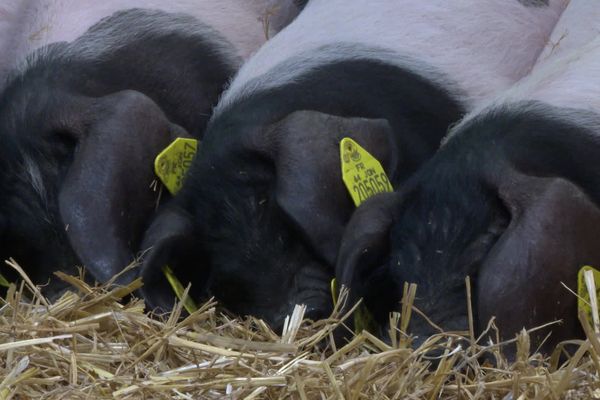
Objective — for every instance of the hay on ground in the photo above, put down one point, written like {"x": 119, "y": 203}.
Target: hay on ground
{"x": 92, "y": 344}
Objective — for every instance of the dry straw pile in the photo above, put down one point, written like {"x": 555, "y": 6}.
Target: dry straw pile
{"x": 92, "y": 344}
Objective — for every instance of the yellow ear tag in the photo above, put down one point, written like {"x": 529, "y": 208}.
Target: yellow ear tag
{"x": 364, "y": 321}
{"x": 364, "y": 177}
{"x": 584, "y": 303}
{"x": 4, "y": 282}
{"x": 188, "y": 303}
{"x": 334, "y": 291}
{"x": 362, "y": 173}
{"x": 172, "y": 163}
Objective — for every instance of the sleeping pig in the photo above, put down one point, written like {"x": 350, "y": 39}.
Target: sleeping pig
{"x": 260, "y": 217}
{"x": 510, "y": 200}
{"x": 105, "y": 87}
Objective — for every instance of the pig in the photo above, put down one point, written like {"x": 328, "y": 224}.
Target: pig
{"x": 260, "y": 217}
{"x": 510, "y": 200}
{"x": 106, "y": 87}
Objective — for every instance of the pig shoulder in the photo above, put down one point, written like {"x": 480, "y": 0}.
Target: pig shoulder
{"x": 565, "y": 81}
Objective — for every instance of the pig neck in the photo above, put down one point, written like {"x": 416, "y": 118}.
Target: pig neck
{"x": 419, "y": 109}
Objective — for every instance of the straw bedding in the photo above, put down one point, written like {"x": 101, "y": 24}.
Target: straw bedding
{"x": 96, "y": 343}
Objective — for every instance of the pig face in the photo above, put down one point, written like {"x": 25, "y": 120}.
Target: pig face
{"x": 66, "y": 198}
{"x": 260, "y": 233}
{"x": 81, "y": 124}
{"x": 489, "y": 206}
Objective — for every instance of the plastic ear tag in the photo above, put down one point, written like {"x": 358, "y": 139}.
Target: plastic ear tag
{"x": 172, "y": 163}
{"x": 334, "y": 291}
{"x": 584, "y": 303}
{"x": 4, "y": 282}
{"x": 188, "y": 303}
{"x": 364, "y": 177}
{"x": 363, "y": 320}
{"x": 362, "y": 173}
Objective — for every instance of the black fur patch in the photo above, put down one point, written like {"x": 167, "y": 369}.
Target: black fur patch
{"x": 447, "y": 222}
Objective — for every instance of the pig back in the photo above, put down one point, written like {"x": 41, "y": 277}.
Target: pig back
{"x": 475, "y": 48}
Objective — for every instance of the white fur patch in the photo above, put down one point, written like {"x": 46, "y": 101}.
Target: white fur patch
{"x": 567, "y": 74}
{"x": 482, "y": 45}
{"x": 33, "y": 24}
{"x": 11, "y": 14}
{"x": 578, "y": 25}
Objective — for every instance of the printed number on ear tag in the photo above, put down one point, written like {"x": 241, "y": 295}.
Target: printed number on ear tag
{"x": 188, "y": 303}
{"x": 172, "y": 163}
{"x": 584, "y": 303}
{"x": 362, "y": 173}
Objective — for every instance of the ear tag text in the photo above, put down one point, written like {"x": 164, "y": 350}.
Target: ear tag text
{"x": 362, "y": 173}
{"x": 584, "y": 303}
{"x": 188, "y": 302}
{"x": 171, "y": 164}
{"x": 364, "y": 177}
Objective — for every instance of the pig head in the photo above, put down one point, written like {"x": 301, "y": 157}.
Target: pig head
{"x": 81, "y": 123}
{"x": 510, "y": 201}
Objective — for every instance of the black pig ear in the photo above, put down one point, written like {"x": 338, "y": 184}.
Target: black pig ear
{"x": 541, "y": 140}
{"x": 365, "y": 243}
{"x": 310, "y": 189}
{"x": 170, "y": 242}
{"x": 106, "y": 198}
{"x": 570, "y": 155}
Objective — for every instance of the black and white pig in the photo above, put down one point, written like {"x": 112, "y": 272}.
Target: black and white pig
{"x": 260, "y": 218}
{"x": 511, "y": 200}
{"x": 105, "y": 87}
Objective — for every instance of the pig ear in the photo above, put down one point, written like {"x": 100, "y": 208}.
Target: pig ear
{"x": 310, "y": 189}
{"x": 106, "y": 197}
{"x": 365, "y": 243}
{"x": 553, "y": 233}
{"x": 568, "y": 147}
{"x": 170, "y": 242}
